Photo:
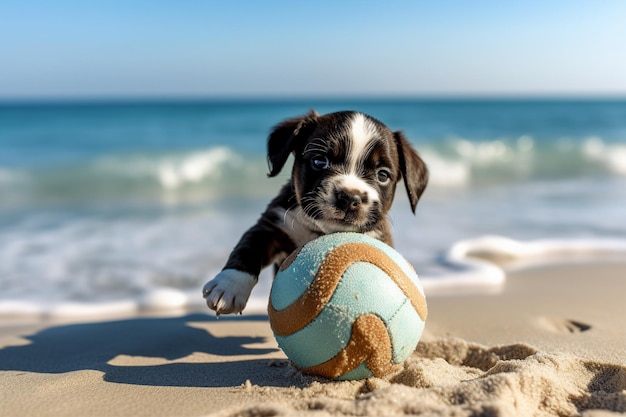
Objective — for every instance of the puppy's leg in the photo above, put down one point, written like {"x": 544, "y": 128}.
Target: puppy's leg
{"x": 229, "y": 291}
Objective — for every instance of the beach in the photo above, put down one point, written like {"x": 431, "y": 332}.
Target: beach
{"x": 550, "y": 342}
{"x": 113, "y": 215}
{"x": 139, "y": 146}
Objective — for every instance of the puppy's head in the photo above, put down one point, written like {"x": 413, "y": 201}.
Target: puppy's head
{"x": 346, "y": 168}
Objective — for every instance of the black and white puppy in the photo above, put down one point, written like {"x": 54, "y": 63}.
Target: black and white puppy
{"x": 346, "y": 167}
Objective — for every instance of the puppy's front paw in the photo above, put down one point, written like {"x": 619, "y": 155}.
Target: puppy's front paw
{"x": 229, "y": 291}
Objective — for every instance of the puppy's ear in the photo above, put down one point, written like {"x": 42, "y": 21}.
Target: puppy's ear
{"x": 414, "y": 171}
{"x": 288, "y": 137}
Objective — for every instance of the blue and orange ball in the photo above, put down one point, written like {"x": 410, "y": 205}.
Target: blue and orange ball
{"x": 347, "y": 306}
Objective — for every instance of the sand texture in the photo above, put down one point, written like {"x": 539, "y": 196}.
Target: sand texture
{"x": 551, "y": 343}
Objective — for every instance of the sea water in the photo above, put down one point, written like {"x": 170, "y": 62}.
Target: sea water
{"x": 108, "y": 206}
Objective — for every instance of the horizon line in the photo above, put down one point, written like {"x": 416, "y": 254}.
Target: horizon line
{"x": 155, "y": 98}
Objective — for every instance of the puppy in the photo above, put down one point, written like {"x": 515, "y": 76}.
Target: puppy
{"x": 346, "y": 167}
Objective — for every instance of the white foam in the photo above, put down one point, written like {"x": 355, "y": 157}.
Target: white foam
{"x": 444, "y": 172}
{"x": 456, "y": 169}
{"x": 470, "y": 268}
{"x": 465, "y": 271}
{"x": 194, "y": 168}
{"x": 483, "y": 152}
{"x": 171, "y": 171}
{"x": 159, "y": 299}
{"x": 617, "y": 160}
{"x": 164, "y": 298}
{"x": 461, "y": 162}
{"x": 100, "y": 309}
{"x": 466, "y": 267}
{"x": 611, "y": 156}
{"x": 519, "y": 253}
{"x": 20, "y": 308}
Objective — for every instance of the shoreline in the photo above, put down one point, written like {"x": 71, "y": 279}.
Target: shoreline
{"x": 474, "y": 266}
{"x": 549, "y": 324}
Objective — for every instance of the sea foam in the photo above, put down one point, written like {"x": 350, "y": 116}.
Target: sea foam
{"x": 196, "y": 167}
{"x": 612, "y": 156}
{"x": 476, "y": 265}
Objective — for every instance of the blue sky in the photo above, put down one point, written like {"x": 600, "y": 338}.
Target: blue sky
{"x": 314, "y": 48}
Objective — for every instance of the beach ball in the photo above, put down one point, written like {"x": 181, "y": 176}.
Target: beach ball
{"x": 347, "y": 306}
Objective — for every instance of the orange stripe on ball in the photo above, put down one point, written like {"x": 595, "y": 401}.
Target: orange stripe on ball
{"x": 369, "y": 343}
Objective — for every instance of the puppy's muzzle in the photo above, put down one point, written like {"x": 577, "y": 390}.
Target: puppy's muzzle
{"x": 348, "y": 201}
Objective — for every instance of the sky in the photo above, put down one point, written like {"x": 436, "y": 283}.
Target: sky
{"x": 251, "y": 48}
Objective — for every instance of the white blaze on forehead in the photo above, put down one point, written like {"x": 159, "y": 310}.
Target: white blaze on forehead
{"x": 362, "y": 133}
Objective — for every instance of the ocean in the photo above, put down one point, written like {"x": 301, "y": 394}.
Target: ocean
{"x": 131, "y": 205}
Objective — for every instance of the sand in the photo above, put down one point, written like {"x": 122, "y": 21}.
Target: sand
{"x": 551, "y": 343}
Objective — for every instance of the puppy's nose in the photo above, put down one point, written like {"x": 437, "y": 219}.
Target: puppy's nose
{"x": 348, "y": 201}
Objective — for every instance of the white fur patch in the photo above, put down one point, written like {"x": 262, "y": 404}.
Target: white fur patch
{"x": 229, "y": 291}
{"x": 300, "y": 228}
{"x": 362, "y": 133}
{"x": 353, "y": 182}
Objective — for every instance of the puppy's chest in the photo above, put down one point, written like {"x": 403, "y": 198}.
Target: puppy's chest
{"x": 297, "y": 226}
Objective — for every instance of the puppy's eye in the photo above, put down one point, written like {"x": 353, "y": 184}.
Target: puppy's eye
{"x": 320, "y": 162}
{"x": 383, "y": 176}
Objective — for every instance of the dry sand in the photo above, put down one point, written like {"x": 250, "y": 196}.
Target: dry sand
{"x": 552, "y": 343}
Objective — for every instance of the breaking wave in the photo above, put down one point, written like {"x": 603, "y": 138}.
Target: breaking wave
{"x": 220, "y": 172}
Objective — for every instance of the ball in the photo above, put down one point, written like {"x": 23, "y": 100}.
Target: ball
{"x": 347, "y": 306}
